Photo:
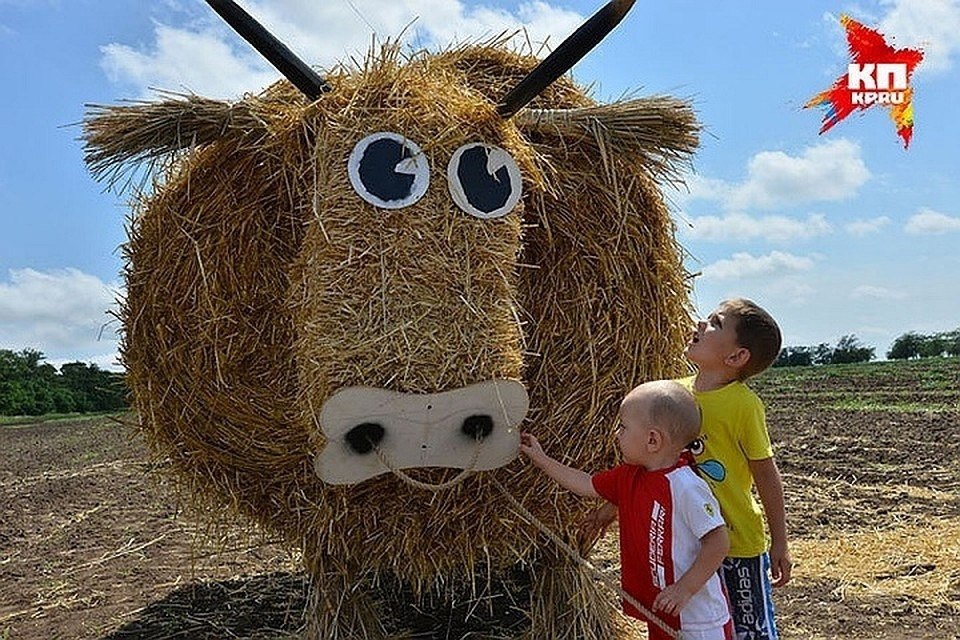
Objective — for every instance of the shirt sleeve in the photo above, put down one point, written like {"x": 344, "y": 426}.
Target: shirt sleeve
{"x": 607, "y": 484}
{"x": 754, "y": 438}
{"x": 699, "y": 509}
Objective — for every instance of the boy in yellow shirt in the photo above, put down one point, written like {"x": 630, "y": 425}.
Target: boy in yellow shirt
{"x": 736, "y": 341}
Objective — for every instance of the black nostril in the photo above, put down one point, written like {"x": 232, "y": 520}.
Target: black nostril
{"x": 364, "y": 437}
{"x": 477, "y": 427}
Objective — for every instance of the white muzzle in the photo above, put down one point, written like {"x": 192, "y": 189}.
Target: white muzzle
{"x": 472, "y": 428}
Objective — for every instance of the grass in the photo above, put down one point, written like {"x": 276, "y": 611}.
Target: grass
{"x": 12, "y": 421}
{"x": 880, "y": 404}
{"x": 935, "y": 372}
{"x": 930, "y": 385}
{"x": 921, "y": 560}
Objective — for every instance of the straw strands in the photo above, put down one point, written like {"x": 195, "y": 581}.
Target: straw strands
{"x": 920, "y": 560}
{"x": 121, "y": 138}
{"x": 258, "y": 283}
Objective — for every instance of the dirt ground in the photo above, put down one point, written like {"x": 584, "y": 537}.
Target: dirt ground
{"x": 93, "y": 545}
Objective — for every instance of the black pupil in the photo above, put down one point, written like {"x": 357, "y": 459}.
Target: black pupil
{"x": 485, "y": 192}
{"x": 378, "y": 170}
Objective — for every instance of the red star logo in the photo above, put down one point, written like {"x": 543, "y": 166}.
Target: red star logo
{"x": 878, "y": 75}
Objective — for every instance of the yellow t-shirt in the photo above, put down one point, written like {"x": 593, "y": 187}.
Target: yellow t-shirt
{"x": 734, "y": 432}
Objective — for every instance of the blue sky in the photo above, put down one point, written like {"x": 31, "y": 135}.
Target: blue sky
{"x": 840, "y": 233}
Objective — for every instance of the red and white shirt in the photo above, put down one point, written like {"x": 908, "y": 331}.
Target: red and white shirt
{"x": 663, "y": 514}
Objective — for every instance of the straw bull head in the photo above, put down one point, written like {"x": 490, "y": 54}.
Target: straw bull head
{"x": 391, "y": 267}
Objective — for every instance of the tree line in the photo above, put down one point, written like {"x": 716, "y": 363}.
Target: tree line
{"x": 850, "y": 349}
{"x": 29, "y": 386}
{"x": 917, "y": 345}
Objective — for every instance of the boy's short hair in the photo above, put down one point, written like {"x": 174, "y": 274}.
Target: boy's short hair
{"x": 674, "y": 409}
{"x": 757, "y": 332}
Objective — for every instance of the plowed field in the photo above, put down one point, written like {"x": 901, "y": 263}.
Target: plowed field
{"x": 93, "y": 544}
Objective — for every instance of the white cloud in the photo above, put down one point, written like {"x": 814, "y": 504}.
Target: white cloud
{"x": 932, "y": 25}
{"x": 867, "y": 291}
{"x": 790, "y": 290}
{"x": 698, "y": 187}
{"x": 185, "y": 61}
{"x": 745, "y": 265}
{"x": 830, "y": 171}
{"x": 62, "y": 313}
{"x": 930, "y": 222}
{"x": 202, "y": 61}
{"x": 868, "y": 226}
{"x": 742, "y": 227}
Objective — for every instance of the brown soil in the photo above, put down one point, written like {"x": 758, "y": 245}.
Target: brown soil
{"x": 93, "y": 543}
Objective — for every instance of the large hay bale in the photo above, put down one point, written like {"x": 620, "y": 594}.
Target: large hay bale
{"x": 259, "y": 284}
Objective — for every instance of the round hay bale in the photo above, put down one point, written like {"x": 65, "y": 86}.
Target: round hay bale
{"x": 259, "y": 284}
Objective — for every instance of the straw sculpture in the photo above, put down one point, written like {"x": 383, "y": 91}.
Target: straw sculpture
{"x": 259, "y": 284}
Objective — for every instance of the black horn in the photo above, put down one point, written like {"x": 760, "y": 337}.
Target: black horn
{"x": 585, "y": 38}
{"x": 293, "y": 68}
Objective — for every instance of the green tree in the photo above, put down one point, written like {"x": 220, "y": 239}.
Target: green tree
{"x": 951, "y": 340}
{"x": 919, "y": 345}
{"x": 93, "y": 388}
{"x": 794, "y": 357}
{"x": 77, "y": 379}
{"x": 43, "y": 401}
{"x": 20, "y": 400}
{"x": 850, "y": 349}
{"x": 31, "y": 359}
{"x": 13, "y": 365}
{"x": 22, "y": 382}
{"x": 932, "y": 346}
{"x": 30, "y": 386}
{"x": 63, "y": 400}
{"x": 905, "y": 347}
{"x": 822, "y": 353}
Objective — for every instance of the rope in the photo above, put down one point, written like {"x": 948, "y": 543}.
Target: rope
{"x": 532, "y": 519}
{"x": 570, "y": 551}
{"x": 460, "y": 477}
{"x": 413, "y": 482}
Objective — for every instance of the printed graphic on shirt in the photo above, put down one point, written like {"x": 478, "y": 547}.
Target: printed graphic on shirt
{"x": 658, "y": 571}
{"x": 708, "y": 509}
{"x": 711, "y": 468}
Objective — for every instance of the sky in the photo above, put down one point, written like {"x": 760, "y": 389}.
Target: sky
{"x": 845, "y": 232}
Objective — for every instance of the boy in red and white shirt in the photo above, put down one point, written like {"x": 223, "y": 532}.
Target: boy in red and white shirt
{"x": 672, "y": 536}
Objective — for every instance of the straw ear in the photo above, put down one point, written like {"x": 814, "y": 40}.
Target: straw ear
{"x": 120, "y": 139}
{"x": 660, "y": 132}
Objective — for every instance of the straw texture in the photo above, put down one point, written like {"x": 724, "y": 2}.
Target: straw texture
{"x": 258, "y": 283}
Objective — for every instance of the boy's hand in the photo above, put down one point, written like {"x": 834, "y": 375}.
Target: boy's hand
{"x": 672, "y": 599}
{"x": 566, "y": 476}
{"x": 781, "y": 564}
{"x": 594, "y": 526}
{"x": 530, "y": 447}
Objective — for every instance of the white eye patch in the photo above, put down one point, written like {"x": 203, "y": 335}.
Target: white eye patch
{"x": 484, "y": 180}
{"x": 388, "y": 170}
